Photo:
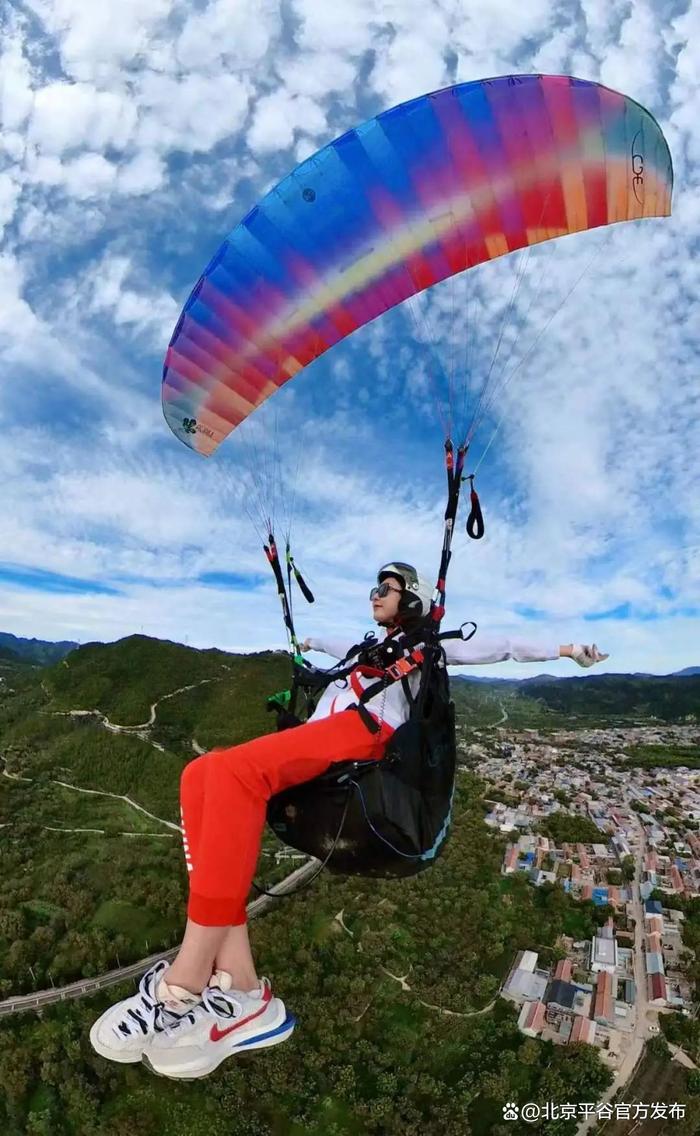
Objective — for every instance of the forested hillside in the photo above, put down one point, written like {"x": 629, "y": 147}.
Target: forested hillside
{"x": 669, "y": 699}
{"x": 34, "y": 650}
{"x": 388, "y": 979}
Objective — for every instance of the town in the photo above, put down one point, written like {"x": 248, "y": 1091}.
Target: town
{"x": 608, "y": 990}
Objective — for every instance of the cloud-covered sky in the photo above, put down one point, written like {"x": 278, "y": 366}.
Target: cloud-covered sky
{"x": 130, "y": 147}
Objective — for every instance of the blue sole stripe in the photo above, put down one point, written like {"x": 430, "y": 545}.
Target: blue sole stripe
{"x": 287, "y": 1026}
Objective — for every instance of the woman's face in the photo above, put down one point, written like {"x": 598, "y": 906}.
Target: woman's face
{"x": 385, "y": 609}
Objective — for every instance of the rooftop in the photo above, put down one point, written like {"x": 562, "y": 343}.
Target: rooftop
{"x": 604, "y": 951}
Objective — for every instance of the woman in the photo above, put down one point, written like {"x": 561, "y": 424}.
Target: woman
{"x": 209, "y": 1003}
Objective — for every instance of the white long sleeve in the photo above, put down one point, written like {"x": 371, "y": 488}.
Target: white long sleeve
{"x": 390, "y": 705}
{"x": 336, "y": 648}
{"x": 477, "y": 651}
{"x": 480, "y": 650}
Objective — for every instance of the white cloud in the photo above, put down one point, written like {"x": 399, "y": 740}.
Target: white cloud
{"x": 413, "y": 61}
{"x": 350, "y": 27}
{"x": 40, "y": 227}
{"x": 67, "y": 116}
{"x": 318, "y": 74}
{"x": 18, "y": 323}
{"x": 105, "y": 290}
{"x": 683, "y": 37}
{"x": 16, "y": 96}
{"x": 240, "y": 32}
{"x": 93, "y": 45}
{"x": 487, "y": 33}
{"x": 634, "y": 63}
{"x": 10, "y": 190}
{"x": 603, "y": 20}
{"x": 555, "y": 55}
{"x": 143, "y": 174}
{"x": 276, "y": 119}
{"x": 87, "y": 176}
{"x": 192, "y": 113}
{"x": 13, "y": 144}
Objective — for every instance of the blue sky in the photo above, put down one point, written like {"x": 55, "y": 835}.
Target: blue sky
{"x": 130, "y": 148}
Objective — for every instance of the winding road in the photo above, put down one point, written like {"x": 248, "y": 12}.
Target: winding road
{"x": 141, "y": 725}
{"x": 139, "y": 730}
{"x": 98, "y": 793}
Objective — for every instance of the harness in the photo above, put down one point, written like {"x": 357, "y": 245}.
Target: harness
{"x": 404, "y": 801}
{"x": 388, "y": 661}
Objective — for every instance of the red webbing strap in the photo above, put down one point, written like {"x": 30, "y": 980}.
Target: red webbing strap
{"x": 391, "y": 674}
{"x": 366, "y": 672}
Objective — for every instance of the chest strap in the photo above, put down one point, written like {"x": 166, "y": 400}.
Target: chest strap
{"x": 395, "y": 672}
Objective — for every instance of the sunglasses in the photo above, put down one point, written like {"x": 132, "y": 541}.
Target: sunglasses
{"x": 382, "y": 590}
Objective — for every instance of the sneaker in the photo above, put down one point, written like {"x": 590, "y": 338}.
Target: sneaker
{"x": 226, "y": 1022}
{"x": 124, "y": 1030}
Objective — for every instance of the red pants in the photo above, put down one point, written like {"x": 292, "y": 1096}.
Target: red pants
{"x": 223, "y": 802}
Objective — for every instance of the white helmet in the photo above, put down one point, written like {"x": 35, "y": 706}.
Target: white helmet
{"x": 418, "y": 591}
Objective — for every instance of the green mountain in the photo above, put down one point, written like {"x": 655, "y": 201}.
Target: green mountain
{"x": 666, "y": 698}
{"x": 35, "y": 650}
{"x": 580, "y": 701}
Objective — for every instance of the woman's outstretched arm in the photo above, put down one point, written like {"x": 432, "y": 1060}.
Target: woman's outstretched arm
{"x": 482, "y": 650}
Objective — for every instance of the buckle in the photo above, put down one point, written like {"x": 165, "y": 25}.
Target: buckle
{"x": 401, "y": 668}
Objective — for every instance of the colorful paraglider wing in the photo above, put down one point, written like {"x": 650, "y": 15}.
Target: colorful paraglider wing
{"x": 423, "y": 191}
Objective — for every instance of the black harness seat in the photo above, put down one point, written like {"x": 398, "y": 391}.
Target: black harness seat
{"x": 383, "y": 818}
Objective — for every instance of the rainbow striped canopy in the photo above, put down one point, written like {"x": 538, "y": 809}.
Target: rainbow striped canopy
{"x": 421, "y": 192}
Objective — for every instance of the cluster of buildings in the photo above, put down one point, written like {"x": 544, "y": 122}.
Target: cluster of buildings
{"x": 588, "y": 997}
{"x": 581, "y": 869}
{"x": 677, "y": 870}
{"x": 663, "y": 943}
{"x": 594, "y": 778}
{"x": 649, "y": 814}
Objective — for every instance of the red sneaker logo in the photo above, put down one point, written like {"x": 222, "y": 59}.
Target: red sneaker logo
{"x": 215, "y": 1034}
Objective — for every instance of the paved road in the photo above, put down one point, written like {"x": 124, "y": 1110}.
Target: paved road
{"x": 644, "y": 1014}
{"x": 140, "y": 725}
{"x": 501, "y": 720}
{"x": 88, "y": 986}
{"x": 96, "y": 793}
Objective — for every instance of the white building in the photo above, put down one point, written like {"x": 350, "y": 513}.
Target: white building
{"x": 603, "y": 954}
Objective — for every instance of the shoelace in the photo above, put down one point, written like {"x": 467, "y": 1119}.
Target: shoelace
{"x": 148, "y": 1013}
{"x": 214, "y": 1001}
{"x": 221, "y": 1003}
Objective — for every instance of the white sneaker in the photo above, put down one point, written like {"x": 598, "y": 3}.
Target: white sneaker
{"x": 124, "y": 1030}
{"x": 226, "y": 1022}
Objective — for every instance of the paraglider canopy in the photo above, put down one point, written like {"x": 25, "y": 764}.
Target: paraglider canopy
{"x": 422, "y": 192}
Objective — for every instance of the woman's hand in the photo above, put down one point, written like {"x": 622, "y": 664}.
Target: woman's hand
{"x": 305, "y": 646}
{"x": 586, "y": 656}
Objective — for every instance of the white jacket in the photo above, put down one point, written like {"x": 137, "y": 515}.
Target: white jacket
{"x": 391, "y": 705}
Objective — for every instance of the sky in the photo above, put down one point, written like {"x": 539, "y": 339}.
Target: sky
{"x": 129, "y": 149}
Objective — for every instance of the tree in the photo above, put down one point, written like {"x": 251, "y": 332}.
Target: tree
{"x": 658, "y": 1047}
{"x": 693, "y": 1082}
